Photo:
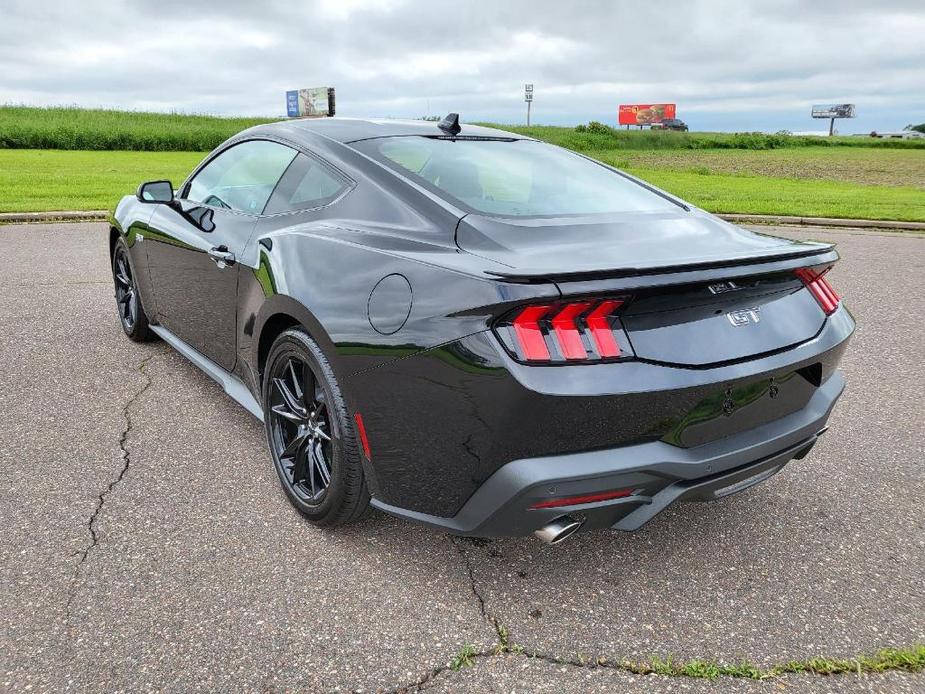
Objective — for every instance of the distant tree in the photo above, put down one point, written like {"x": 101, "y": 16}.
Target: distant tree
{"x": 920, "y": 127}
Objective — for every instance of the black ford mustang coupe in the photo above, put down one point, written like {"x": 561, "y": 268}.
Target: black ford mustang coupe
{"x": 478, "y": 331}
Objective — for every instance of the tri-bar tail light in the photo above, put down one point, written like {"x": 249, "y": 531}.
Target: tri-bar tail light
{"x": 580, "y": 331}
{"x": 815, "y": 281}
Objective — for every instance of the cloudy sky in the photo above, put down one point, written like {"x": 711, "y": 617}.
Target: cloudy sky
{"x": 729, "y": 65}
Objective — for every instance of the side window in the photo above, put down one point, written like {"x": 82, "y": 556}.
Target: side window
{"x": 242, "y": 177}
{"x": 306, "y": 184}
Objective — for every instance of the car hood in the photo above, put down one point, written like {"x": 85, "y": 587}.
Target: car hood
{"x": 626, "y": 243}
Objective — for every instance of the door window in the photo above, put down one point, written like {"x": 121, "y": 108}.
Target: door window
{"x": 242, "y": 177}
{"x": 307, "y": 184}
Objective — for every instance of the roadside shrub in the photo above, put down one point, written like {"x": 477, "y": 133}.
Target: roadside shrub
{"x": 599, "y": 128}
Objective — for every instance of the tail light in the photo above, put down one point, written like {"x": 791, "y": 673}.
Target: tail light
{"x": 815, "y": 281}
{"x": 578, "y": 331}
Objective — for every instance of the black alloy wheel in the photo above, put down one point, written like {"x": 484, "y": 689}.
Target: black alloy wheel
{"x": 132, "y": 315}
{"x": 312, "y": 441}
{"x": 302, "y": 432}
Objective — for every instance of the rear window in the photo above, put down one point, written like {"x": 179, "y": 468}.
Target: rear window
{"x": 514, "y": 178}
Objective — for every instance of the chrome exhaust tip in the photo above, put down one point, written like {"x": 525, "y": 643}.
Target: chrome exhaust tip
{"x": 558, "y": 530}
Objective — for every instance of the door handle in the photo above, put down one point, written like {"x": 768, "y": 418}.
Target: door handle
{"x": 222, "y": 256}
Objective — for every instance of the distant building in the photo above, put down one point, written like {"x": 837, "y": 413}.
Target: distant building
{"x": 895, "y": 135}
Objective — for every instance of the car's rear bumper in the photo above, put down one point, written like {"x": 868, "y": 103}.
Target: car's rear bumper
{"x": 658, "y": 472}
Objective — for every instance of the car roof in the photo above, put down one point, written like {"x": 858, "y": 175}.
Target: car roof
{"x": 348, "y": 130}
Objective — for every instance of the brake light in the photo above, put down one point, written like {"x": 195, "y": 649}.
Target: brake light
{"x": 574, "y": 331}
{"x": 566, "y": 328}
{"x": 819, "y": 287}
{"x": 529, "y": 335}
{"x": 584, "y": 499}
{"x": 599, "y": 324}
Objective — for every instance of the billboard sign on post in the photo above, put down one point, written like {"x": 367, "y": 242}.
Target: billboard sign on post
{"x": 308, "y": 103}
{"x": 644, "y": 114}
{"x": 833, "y": 111}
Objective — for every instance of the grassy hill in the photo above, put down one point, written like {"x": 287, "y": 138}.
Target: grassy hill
{"x": 23, "y": 127}
{"x": 746, "y": 172}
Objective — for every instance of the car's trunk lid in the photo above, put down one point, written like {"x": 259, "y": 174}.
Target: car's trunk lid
{"x": 704, "y": 292}
{"x": 617, "y": 244}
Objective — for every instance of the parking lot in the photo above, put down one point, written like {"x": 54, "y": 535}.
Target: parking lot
{"x": 147, "y": 544}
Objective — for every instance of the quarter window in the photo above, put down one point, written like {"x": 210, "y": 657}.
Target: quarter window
{"x": 243, "y": 177}
{"x": 306, "y": 184}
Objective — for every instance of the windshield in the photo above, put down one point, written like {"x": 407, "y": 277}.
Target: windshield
{"x": 517, "y": 178}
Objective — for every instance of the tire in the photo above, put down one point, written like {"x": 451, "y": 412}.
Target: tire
{"x": 129, "y": 308}
{"x": 303, "y": 405}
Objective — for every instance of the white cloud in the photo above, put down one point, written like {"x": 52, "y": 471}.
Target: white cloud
{"x": 728, "y": 64}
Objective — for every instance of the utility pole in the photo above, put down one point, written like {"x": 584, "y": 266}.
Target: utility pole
{"x": 528, "y": 97}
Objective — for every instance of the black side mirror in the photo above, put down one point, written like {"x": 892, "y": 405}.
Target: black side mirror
{"x": 201, "y": 217}
{"x": 155, "y": 191}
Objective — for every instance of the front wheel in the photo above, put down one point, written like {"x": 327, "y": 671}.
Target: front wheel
{"x": 311, "y": 438}
{"x": 132, "y": 314}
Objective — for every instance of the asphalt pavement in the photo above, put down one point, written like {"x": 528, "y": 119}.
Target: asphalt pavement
{"x": 146, "y": 544}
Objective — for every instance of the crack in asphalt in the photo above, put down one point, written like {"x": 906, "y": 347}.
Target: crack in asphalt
{"x": 506, "y": 646}
{"x": 499, "y": 629}
{"x": 858, "y": 665}
{"x": 101, "y": 498}
{"x": 486, "y": 615}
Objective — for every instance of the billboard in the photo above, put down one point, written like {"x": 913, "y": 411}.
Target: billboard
{"x": 645, "y": 114}
{"x": 833, "y": 110}
{"x": 304, "y": 103}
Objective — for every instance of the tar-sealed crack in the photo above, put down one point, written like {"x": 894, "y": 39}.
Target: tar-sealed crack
{"x": 82, "y": 554}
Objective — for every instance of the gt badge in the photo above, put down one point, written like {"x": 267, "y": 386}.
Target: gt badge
{"x": 744, "y": 317}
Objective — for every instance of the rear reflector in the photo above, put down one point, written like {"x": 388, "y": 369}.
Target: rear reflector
{"x": 819, "y": 287}
{"x": 566, "y": 332}
{"x": 361, "y": 430}
{"x": 585, "y": 499}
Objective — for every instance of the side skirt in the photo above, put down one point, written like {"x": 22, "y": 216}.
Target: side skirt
{"x": 234, "y": 386}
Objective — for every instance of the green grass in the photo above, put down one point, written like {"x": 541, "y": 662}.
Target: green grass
{"x": 23, "y": 127}
{"x": 607, "y": 138}
{"x": 58, "y": 180}
{"x": 40, "y": 180}
{"x": 749, "y": 173}
{"x": 788, "y": 196}
{"x": 868, "y": 166}
{"x": 885, "y": 660}
{"x": 910, "y": 660}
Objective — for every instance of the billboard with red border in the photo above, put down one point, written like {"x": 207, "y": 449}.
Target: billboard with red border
{"x": 645, "y": 114}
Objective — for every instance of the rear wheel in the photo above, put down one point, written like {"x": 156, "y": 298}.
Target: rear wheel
{"x": 131, "y": 313}
{"x": 311, "y": 438}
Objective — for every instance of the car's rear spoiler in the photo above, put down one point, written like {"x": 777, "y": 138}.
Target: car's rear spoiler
{"x": 686, "y": 272}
